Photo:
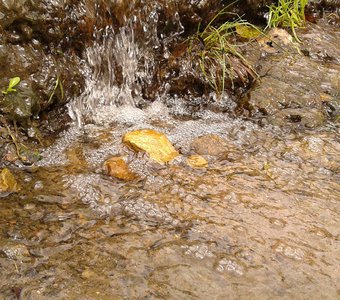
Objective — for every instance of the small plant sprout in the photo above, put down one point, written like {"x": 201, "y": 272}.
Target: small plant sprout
{"x": 12, "y": 83}
{"x": 57, "y": 83}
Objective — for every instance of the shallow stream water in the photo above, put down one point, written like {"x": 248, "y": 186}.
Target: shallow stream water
{"x": 261, "y": 221}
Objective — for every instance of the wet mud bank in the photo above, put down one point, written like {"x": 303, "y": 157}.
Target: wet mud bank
{"x": 43, "y": 42}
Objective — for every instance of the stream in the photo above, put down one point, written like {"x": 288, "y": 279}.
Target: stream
{"x": 259, "y": 221}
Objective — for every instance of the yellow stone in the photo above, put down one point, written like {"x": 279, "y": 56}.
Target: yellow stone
{"x": 8, "y": 182}
{"x": 118, "y": 168}
{"x": 197, "y": 161}
{"x": 155, "y": 143}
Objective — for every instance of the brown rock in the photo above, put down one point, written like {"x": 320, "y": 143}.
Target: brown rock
{"x": 118, "y": 168}
{"x": 155, "y": 143}
{"x": 306, "y": 117}
{"x": 209, "y": 144}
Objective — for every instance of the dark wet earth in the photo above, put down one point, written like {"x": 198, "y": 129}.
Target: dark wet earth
{"x": 261, "y": 221}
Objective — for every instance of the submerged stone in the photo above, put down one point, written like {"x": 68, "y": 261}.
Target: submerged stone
{"x": 197, "y": 161}
{"x": 88, "y": 274}
{"x": 8, "y": 183}
{"x": 155, "y": 143}
{"x": 117, "y": 167}
{"x": 310, "y": 118}
{"x": 14, "y": 251}
{"x": 210, "y": 144}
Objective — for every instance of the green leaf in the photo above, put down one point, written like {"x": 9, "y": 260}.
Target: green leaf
{"x": 247, "y": 32}
{"x": 13, "y": 82}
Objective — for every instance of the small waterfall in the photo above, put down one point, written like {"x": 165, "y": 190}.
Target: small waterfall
{"x": 109, "y": 53}
{"x": 117, "y": 64}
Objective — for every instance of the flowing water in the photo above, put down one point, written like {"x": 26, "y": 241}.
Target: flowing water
{"x": 261, "y": 221}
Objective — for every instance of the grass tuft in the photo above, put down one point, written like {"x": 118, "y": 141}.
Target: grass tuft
{"x": 287, "y": 14}
{"x": 220, "y": 58}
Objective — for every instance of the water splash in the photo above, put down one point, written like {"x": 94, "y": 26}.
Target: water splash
{"x": 117, "y": 65}
{"x": 109, "y": 52}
